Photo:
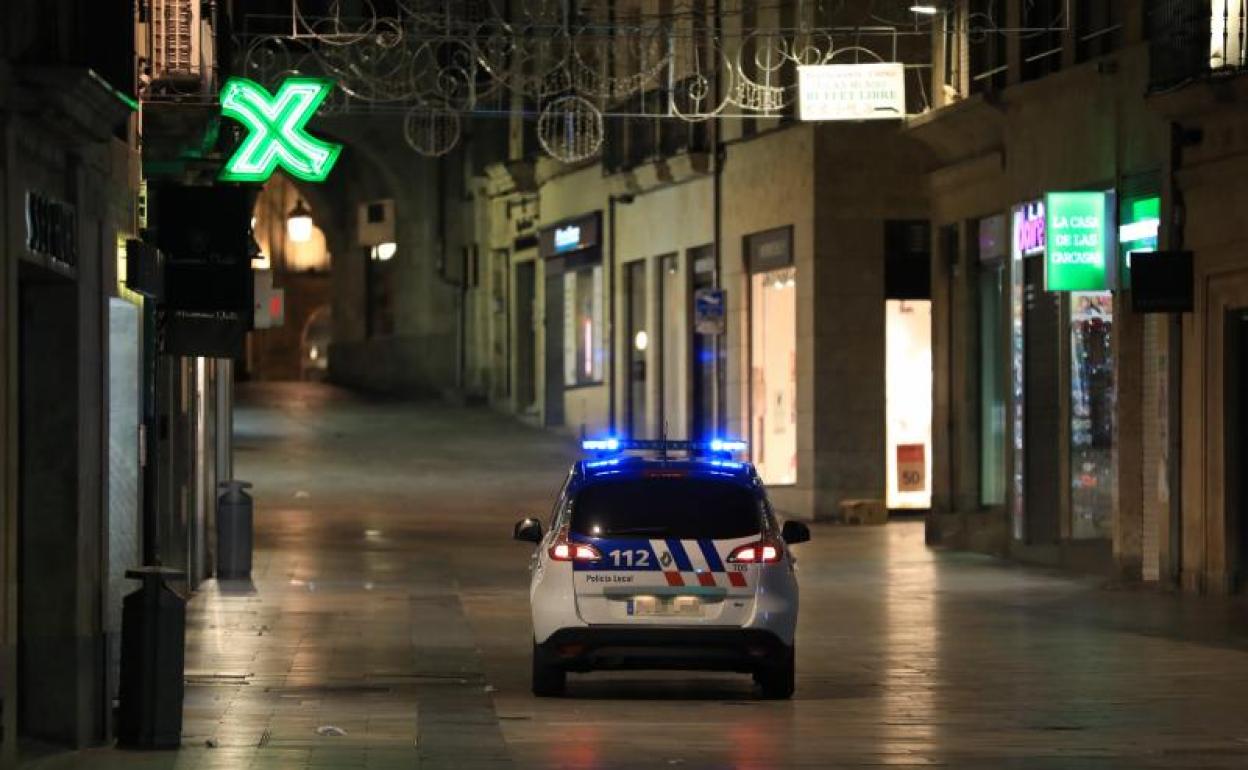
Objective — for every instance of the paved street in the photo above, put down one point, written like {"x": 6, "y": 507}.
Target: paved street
{"x": 388, "y": 627}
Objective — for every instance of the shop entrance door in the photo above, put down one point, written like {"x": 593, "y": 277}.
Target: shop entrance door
{"x": 554, "y": 343}
{"x": 1042, "y": 407}
{"x": 49, "y": 525}
{"x": 1236, "y": 401}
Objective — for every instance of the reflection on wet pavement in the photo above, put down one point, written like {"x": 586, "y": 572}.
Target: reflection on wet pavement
{"x": 389, "y": 603}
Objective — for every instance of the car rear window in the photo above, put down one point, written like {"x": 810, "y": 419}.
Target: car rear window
{"x": 683, "y": 508}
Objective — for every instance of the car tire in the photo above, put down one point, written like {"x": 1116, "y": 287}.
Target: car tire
{"x": 778, "y": 678}
{"x": 549, "y": 680}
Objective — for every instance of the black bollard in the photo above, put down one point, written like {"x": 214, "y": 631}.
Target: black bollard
{"x": 153, "y": 659}
{"x": 234, "y": 522}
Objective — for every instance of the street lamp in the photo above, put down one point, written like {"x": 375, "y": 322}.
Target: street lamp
{"x": 299, "y": 223}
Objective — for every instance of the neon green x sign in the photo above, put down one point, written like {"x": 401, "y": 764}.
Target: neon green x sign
{"x": 275, "y": 125}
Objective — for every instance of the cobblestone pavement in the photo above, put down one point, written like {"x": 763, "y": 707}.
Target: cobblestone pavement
{"x": 389, "y": 611}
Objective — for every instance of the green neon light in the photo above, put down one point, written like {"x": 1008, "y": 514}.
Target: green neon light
{"x": 275, "y": 125}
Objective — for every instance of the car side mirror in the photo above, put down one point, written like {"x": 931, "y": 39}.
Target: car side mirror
{"x": 795, "y": 532}
{"x": 528, "y": 530}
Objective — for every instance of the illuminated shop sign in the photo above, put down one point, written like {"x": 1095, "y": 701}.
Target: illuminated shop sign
{"x": 1141, "y": 225}
{"x": 567, "y": 238}
{"x": 1079, "y": 241}
{"x": 276, "y": 134}
{"x": 1029, "y": 233}
{"x": 873, "y": 91}
{"x": 571, "y": 238}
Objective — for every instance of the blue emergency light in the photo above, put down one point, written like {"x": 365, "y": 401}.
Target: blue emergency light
{"x": 716, "y": 446}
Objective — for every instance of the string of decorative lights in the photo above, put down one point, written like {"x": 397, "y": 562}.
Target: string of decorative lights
{"x": 572, "y": 66}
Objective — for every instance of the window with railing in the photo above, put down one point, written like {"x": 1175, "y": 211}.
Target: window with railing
{"x": 986, "y": 45}
{"x": 1226, "y": 34}
{"x": 1192, "y": 38}
{"x": 1099, "y": 27}
{"x": 1041, "y": 37}
{"x": 647, "y": 133}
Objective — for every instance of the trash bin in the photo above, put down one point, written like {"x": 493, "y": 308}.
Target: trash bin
{"x": 153, "y": 658}
{"x": 234, "y": 531}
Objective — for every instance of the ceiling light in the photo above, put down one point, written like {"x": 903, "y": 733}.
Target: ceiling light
{"x": 924, "y": 9}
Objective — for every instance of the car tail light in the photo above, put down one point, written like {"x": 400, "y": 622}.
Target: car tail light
{"x": 564, "y": 550}
{"x": 762, "y": 552}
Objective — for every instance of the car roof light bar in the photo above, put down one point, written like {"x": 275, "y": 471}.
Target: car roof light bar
{"x": 714, "y": 446}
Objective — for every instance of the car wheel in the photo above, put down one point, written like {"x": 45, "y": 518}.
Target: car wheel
{"x": 548, "y": 679}
{"x": 777, "y": 678}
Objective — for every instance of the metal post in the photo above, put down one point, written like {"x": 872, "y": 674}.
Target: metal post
{"x": 225, "y": 419}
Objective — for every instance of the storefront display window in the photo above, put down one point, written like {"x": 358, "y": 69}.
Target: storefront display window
{"x": 1028, "y": 239}
{"x": 908, "y": 342}
{"x": 992, "y": 386}
{"x": 773, "y": 357}
{"x": 582, "y": 326}
{"x": 672, "y": 332}
{"x": 1091, "y": 414}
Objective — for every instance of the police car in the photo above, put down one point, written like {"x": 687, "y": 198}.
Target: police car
{"x": 663, "y": 555}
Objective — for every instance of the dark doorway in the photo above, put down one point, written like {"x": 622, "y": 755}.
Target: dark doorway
{"x": 50, "y": 644}
{"x": 1236, "y": 472}
{"x": 1041, "y": 404}
{"x": 638, "y": 341}
{"x": 703, "y": 349}
{"x": 526, "y": 337}
{"x": 554, "y": 343}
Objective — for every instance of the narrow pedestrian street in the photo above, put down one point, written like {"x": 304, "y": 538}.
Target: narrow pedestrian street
{"x": 388, "y": 627}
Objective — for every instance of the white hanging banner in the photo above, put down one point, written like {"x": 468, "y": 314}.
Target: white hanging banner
{"x": 874, "y": 91}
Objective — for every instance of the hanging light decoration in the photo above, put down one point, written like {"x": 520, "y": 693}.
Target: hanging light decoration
{"x": 299, "y": 223}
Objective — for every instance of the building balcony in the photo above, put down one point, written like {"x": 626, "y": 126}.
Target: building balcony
{"x": 1196, "y": 39}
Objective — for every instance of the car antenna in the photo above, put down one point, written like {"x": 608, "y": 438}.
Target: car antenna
{"x": 663, "y": 441}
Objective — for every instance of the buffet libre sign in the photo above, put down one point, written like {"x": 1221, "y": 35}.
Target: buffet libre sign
{"x": 874, "y": 91}
{"x": 1079, "y": 250}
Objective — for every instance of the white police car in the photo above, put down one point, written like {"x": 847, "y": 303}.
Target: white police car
{"x": 663, "y": 555}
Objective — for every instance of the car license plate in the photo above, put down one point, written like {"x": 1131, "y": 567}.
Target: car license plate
{"x": 667, "y": 606}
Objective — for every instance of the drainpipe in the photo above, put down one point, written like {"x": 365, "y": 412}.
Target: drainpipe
{"x": 1180, "y": 138}
{"x": 720, "y": 408}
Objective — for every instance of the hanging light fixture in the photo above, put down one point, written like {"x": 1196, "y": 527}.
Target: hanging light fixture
{"x": 299, "y": 223}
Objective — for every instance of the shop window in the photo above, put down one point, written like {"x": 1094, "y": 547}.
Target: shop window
{"x": 773, "y": 380}
{"x": 380, "y": 291}
{"x": 1092, "y": 400}
{"x": 908, "y": 387}
{"x": 672, "y": 336}
{"x": 992, "y": 385}
{"x": 582, "y": 326}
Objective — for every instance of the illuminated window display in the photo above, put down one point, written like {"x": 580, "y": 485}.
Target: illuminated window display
{"x": 908, "y": 340}
{"x": 1092, "y": 395}
{"x": 773, "y": 357}
{"x": 582, "y": 326}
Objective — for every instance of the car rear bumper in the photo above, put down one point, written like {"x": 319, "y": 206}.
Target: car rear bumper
{"x": 597, "y": 648}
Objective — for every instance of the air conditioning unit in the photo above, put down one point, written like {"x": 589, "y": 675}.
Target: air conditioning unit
{"x": 175, "y": 27}
{"x": 375, "y": 222}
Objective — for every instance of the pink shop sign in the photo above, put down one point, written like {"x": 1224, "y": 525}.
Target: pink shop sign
{"x": 1029, "y": 236}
